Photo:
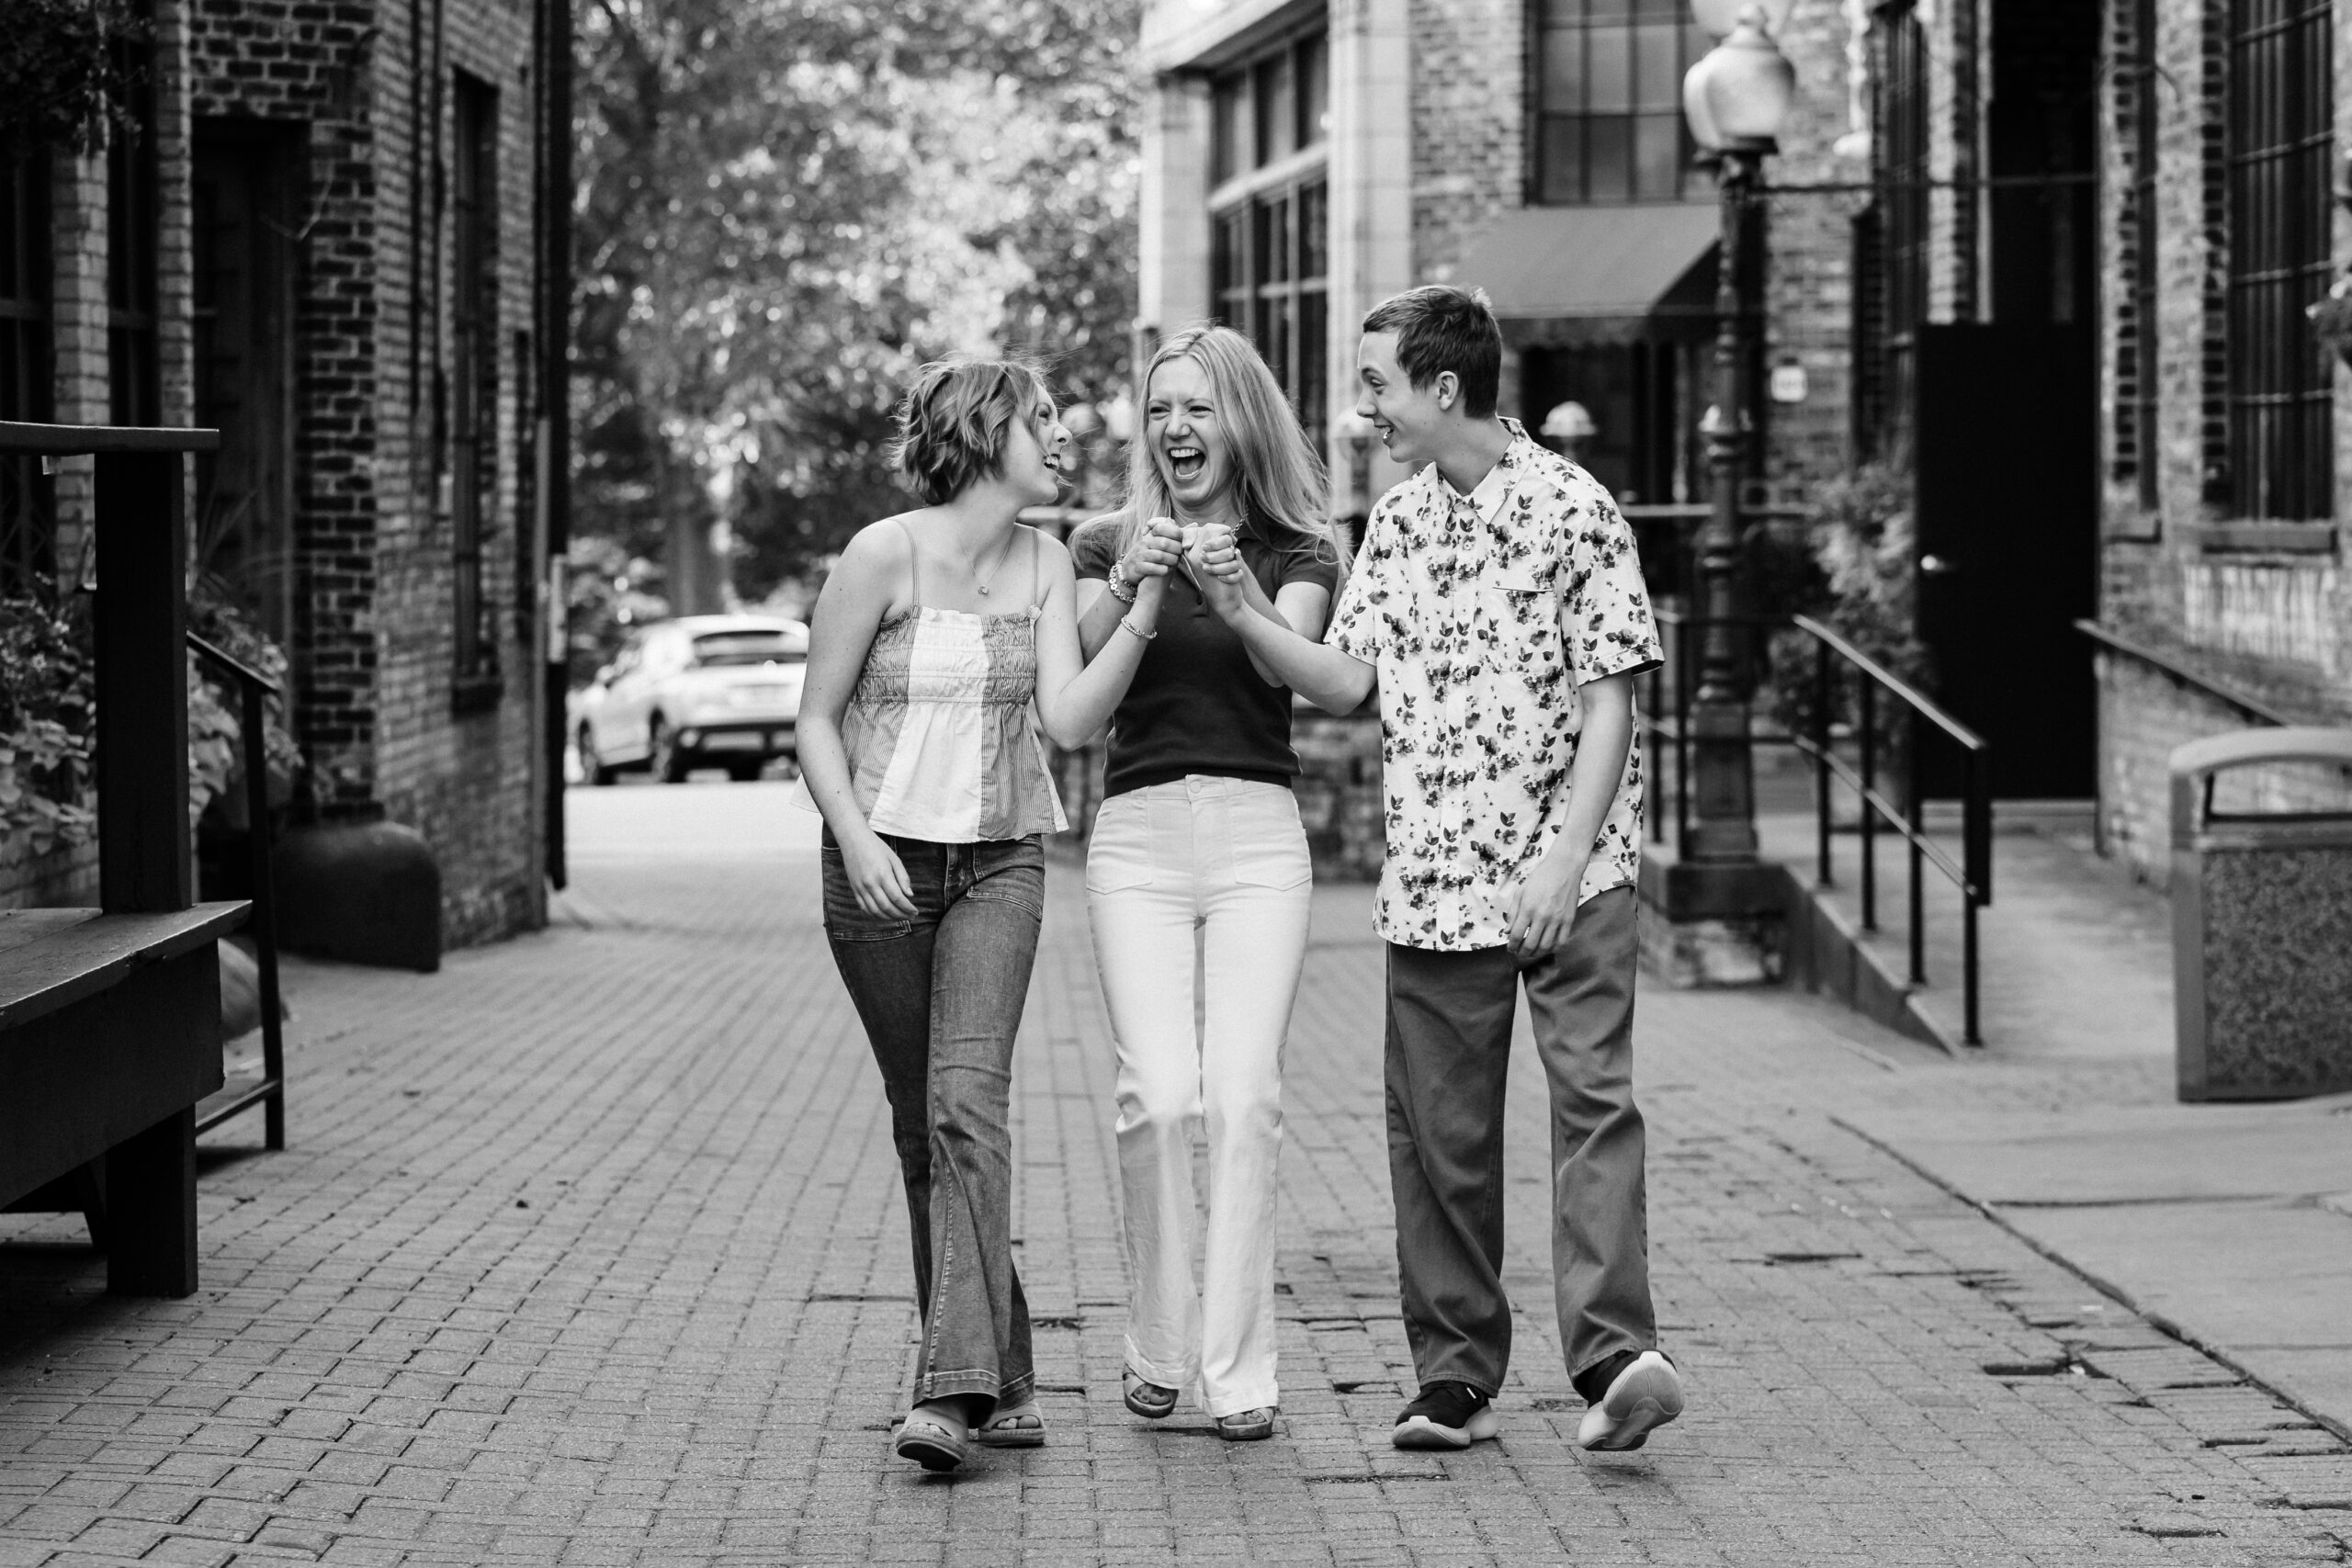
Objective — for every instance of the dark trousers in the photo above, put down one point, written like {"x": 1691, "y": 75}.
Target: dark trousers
{"x": 1449, "y": 1047}
{"x": 941, "y": 996}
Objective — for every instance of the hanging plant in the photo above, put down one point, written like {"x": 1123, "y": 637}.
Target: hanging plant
{"x": 58, "y": 74}
{"x": 2332, "y": 319}
{"x": 46, "y": 707}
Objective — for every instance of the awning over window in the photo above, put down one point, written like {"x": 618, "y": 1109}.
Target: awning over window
{"x": 1594, "y": 261}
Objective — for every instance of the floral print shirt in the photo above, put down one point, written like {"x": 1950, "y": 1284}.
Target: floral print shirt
{"x": 1483, "y": 620}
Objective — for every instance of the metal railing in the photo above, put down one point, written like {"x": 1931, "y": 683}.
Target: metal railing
{"x": 270, "y": 1090}
{"x": 1878, "y": 695}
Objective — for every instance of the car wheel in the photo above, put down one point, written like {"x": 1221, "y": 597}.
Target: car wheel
{"x": 662, "y": 753}
{"x": 592, "y": 767}
{"x": 745, "y": 773}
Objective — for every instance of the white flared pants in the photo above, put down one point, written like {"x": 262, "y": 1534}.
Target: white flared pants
{"x": 1224, "y": 859}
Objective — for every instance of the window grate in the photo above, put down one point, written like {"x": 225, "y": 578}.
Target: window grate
{"x": 2279, "y": 136}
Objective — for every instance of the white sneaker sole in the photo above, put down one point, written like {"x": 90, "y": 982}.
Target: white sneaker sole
{"x": 1421, "y": 1432}
{"x": 1644, "y": 1398}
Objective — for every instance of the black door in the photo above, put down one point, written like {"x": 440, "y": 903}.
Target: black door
{"x": 2007, "y": 524}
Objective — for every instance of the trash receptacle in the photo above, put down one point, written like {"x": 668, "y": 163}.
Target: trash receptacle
{"x": 2262, "y": 928}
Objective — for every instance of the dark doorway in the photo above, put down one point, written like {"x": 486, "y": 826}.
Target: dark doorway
{"x": 1636, "y": 396}
{"x": 243, "y": 292}
{"x": 2005, "y": 436}
{"x": 2006, "y": 501}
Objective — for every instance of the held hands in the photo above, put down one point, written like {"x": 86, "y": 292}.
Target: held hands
{"x": 879, "y": 878}
{"x": 1214, "y": 557}
{"x": 1157, "y": 546}
{"x": 1544, "y": 907}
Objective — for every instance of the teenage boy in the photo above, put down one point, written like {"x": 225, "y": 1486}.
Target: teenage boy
{"x": 1498, "y": 605}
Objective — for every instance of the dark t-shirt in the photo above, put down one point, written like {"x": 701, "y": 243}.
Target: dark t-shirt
{"x": 1198, "y": 705}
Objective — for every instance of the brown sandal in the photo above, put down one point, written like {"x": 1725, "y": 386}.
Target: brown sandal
{"x": 1012, "y": 1426}
{"x": 1247, "y": 1426}
{"x": 932, "y": 1442}
{"x": 1149, "y": 1400}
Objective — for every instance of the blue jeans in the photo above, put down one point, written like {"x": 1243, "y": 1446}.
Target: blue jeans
{"x": 941, "y": 998}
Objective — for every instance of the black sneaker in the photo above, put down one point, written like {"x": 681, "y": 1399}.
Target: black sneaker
{"x": 1446, "y": 1416}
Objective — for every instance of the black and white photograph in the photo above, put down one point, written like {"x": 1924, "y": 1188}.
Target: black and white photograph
{"x": 886, "y": 783}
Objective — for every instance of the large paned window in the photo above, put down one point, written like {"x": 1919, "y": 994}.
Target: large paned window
{"x": 28, "y": 540}
{"x": 1271, "y": 215}
{"x": 2281, "y": 110}
{"x": 473, "y": 374}
{"x": 1605, "y": 109}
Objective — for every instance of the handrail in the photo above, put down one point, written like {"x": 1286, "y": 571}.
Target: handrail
{"x": 2131, "y": 647}
{"x": 1971, "y": 875}
{"x": 1896, "y": 684}
{"x": 225, "y": 660}
{"x": 76, "y": 440}
{"x": 270, "y": 1092}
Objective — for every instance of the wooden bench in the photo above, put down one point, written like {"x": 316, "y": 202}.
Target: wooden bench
{"x": 110, "y": 1018}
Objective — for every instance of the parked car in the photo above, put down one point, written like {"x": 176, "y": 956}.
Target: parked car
{"x": 698, "y": 692}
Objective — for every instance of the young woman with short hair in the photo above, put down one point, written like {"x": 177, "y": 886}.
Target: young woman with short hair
{"x": 941, "y": 640}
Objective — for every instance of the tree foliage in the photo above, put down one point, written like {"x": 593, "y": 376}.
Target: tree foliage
{"x": 786, "y": 204}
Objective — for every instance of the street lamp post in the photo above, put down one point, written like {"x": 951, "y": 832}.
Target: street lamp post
{"x": 1734, "y": 98}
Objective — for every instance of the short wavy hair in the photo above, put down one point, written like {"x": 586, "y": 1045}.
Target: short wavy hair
{"x": 952, "y": 423}
{"x": 1441, "y": 327}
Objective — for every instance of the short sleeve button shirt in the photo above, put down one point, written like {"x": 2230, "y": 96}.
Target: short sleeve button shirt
{"x": 1483, "y": 615}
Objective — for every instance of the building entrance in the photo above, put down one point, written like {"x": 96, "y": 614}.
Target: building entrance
{"x": 2004, "y": 429}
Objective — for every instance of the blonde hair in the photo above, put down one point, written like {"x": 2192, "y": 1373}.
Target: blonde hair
{"x": 1281, "y": 480}
{"x": 952, "y": 423}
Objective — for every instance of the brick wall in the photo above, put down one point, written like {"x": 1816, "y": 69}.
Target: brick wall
{"x": 2274, "y": 626}
{"x": 1469, "y": 134}
{"x": 463, "y": 780}
{"x": 1809, "y": 236}
{"x": 2143, "y": 716}
{"x": 373, "y": 639}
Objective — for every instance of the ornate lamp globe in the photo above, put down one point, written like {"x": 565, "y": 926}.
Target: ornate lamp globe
{"x": 1738, "y": 95}
{"x": 1718, "y": 18}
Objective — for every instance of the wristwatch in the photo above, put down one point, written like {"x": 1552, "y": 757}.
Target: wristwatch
{"x": 1116, "y": 581}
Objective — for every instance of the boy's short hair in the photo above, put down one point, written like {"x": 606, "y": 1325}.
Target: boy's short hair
{"x": 1440, "y": 328}
{"x": 953, "y": 421}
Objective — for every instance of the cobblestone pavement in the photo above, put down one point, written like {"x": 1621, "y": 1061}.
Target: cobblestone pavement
{"x": 588, "y": 1250}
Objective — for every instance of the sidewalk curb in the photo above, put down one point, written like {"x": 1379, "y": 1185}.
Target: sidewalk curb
{"x": 2156, "y": 1320}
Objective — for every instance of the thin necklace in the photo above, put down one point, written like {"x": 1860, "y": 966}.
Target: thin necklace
{"x": 1002, "y": 553}
{"x": 1240, "y": 522}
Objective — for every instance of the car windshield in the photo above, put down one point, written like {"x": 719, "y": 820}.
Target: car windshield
{"x": 751, "y": 647}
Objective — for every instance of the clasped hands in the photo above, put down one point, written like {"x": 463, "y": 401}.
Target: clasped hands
{"x": 1208, "y": 552}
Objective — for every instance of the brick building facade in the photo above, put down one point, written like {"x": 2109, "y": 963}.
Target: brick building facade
{"x": 2046, "y": 260}
{"x": 1535, "y": 148}
{"x": 325, "y": 239}
{"x": 2224, "y": 444}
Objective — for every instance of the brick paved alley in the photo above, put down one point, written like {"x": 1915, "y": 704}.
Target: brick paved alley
{"x": 589, "y": 1249}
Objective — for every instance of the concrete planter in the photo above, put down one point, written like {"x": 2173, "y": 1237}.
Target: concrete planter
{"x": 365, "y": 893}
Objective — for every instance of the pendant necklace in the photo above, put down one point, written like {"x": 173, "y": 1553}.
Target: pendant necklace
{"x": 1005, "y": 550}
